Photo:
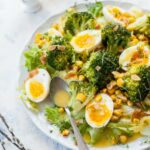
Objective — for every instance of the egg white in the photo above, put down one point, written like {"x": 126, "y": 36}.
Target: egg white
{"x": 112, "y": 19}
{"x": 145, "y": 121}
{"x": 42, "y": 77}
{"x": 109, "y": 17}
{"x": 94, "y": 33}
{"x": 126, "y": 55}
{"x": 109, "y": 103}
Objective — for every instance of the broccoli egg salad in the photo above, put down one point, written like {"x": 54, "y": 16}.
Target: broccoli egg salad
{"x": 103, "y": 54}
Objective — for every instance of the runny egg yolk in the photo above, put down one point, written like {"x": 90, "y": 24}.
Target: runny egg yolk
{"x": 85, "y": 41}
{"x": 36, "y": 89}
{"x": 98, "y": 113}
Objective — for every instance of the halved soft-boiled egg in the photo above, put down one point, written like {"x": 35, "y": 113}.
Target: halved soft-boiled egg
{"x": 53, "y": 32}
{"x": 135, "y": 55}
{"x": 115, "y": 14}
{"x": 98, "y": 113}
{"x": 86, "y": 41}
{"x": 37, "y": 86}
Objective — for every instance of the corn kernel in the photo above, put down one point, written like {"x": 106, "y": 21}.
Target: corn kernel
{"x": 112, "y": 91}
{"x": 120, "y": 82}
{"x": 131, "y": 19}
{"x": 65, "y": 132}
{"x": 61, "y": 110}
{"x": 61, "y": 31}
{"x": 135, "y": 41}
{"x": 47, "y": 39}
{"x": 113, "y": 97}
{"x": 133, "y": 37}
{"x": 123, "y": 139}
{"x": 98, "y": 98}
{"x": 141, "y": 47}
{"x": 104, "y": 90}
{"x": 81, "y": 77}
{"x": 136, "y": 120}
{"x": 118, "y": 103}
{"x": 117, "y": 92}
{"x": 79, "y": 63}
{"x": 41, "y": 43}
{"x": 116, "y": 10}
{"x": 38, "y": 37}
{"x": 55, "y": 26}
{"x": 118, "y": 112}
{"x": 81, "y": 97}
{"x": 37, "y": 41}
{"x": 126, "y": 14}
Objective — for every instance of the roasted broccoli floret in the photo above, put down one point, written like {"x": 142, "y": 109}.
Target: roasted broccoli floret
{"x": 137, "y": 83}
{"x": 96, "y": 9}
{"x": 58, "y": 59}
{"x": 79, "y": 21}
{"x": 62, "y": 56}
{"x": 98, "y": 69}
{"x": 64, "y": 18}
{"x": 114, "y": 36}
{"x": 57, "y": 40}
{"x": 142, "y": 25}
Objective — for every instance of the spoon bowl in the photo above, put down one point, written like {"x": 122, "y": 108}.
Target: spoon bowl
{"x": 57, "y": 84}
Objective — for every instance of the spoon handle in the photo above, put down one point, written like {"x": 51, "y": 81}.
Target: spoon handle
{"x": 80, "y": 142}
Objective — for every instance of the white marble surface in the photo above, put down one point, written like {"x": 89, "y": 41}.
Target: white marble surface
{"x": 16, "y": 27}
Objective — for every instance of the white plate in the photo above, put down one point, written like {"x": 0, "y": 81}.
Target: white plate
{"x": 38, "y": 118}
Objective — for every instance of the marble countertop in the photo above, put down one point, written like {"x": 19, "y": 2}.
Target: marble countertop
{"x": 16, "y": 27}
